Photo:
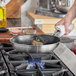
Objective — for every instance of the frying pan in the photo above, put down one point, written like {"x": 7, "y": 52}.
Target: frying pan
{"x": 24, "y": 43}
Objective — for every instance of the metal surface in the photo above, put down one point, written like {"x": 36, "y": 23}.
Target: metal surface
{"x": 44, "y": 4}
{"x": 63, "y": 5}
{"x": 54, "y": 8}
{"x": 51, "y": 13}
{"x": 68, "y": 41}
{"x": 3, "y": 66}
{"x": 18, "y": 63}
{"x": 67, "y": 57}
{"x": 48, "y": 8}
{"x": 59, "y": 62}
{"x": 24, "y": 43}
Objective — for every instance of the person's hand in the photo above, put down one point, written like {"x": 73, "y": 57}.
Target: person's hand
{"x": 66, "y": 22}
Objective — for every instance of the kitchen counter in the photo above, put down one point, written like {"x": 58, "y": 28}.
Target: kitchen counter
{"x": 5, "y": 37}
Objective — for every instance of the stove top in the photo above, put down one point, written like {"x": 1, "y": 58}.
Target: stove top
{"x": 20, "y": 63}
{"x": 3, "y": 67}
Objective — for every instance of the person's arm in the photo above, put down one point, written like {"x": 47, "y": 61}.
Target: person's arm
{"x": 72, "y": 12}
{"x": 67, "y": 20}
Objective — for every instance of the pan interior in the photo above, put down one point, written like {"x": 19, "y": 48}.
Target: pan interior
{"x": 27, "y": 39}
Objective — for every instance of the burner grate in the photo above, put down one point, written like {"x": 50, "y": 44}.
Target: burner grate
{"x": 33, "y": 64}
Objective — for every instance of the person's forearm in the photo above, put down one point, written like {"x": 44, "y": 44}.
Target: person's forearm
{"x": 74, "y": 4}
{"x": 72, "y": 12}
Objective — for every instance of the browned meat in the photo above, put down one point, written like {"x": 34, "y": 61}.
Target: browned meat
{"x": 37, "y": 43}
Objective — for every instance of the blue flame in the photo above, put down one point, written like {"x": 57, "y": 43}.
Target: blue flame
{"x": 31, "y": 63}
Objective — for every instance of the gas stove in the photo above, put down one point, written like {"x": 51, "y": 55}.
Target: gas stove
{"x": 3, "y": 67}
{"x": 20, "y": 63}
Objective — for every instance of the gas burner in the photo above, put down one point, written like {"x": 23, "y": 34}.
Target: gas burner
{"x": 20, "y": 63}
{"x": 33, "y": 61}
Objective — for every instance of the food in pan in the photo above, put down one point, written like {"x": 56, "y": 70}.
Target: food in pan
{"x": 36, "y": 41}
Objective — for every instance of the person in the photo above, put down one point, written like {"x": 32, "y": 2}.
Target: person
{"x": 67, "y": 20}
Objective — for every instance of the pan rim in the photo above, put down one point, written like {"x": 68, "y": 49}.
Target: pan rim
{"x": 12, "y": 40}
